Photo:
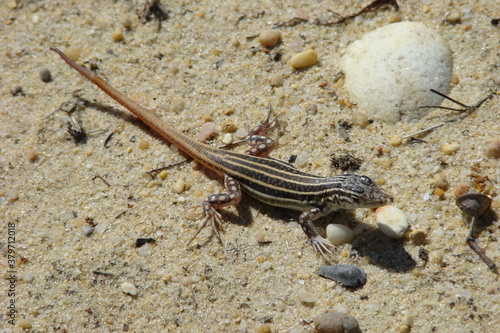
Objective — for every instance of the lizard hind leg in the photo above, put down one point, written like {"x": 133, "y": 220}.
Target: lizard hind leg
{"x": 216, "y": 201}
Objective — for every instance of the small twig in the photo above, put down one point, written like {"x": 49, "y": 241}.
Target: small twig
{"x": 474, "y": 246}
{"x": 290, "y": 23}
{"x": 470, "y": 108}
{"x": 102, "y": 273}
{"x": 99, "y": 177}
{"x": 375, "y": 5}
{"x": 428, "y": 129}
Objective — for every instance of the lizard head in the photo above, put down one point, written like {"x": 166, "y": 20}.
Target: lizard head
{"x": 363, "y": 192}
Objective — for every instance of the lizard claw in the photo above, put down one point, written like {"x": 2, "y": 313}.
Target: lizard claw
{"x": 215, "y": 219}
{"x": 321, "y": 245}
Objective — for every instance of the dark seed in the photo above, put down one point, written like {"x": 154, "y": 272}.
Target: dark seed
{"x": 45, "y": 75}
{"x": 347, "y": 275}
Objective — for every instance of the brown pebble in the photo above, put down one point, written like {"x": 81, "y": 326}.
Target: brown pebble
{"x": 270, "y": 38}
{"x": 304, "y": 59}
{"x": 336, "y": 322}
{"x": 492, "y": 147}
{"x": 460, "y": 189}
{"x": 266, "y": 328}
{"x": 143, "y": 144}
{"x": 32, "y": 154}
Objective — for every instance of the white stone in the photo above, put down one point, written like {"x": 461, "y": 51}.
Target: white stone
{"x": 338, "y": 234}
{"x": 128, "y": 288}
{"x": 389, "y": 71}
{"x": 392, "y": 221}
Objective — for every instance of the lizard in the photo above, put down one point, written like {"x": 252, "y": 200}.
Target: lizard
{"x": 269, "y": 180}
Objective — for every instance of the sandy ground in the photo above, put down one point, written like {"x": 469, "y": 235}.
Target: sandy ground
{"x": 206, "y": 64}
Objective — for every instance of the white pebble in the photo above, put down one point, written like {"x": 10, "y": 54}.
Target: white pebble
{"x": 389, "y": 71}
{"x": 338, "y": 234}
{"x": 129, "y": 288}
{"x": 179, "y": 186}
{"x": 267, "y": 265}
{"x": 88, "y": 230}
{"x": 305, "y": 297}
{"x": 227, "y": 139}
{"x": 206, "y": 130}
{"x": 146, "y": 250}
{"x": 392, "y": 221}
{"x": 301, "y": 159}
{"x": 304, "y": 59}
{"x": 450, "y": 148}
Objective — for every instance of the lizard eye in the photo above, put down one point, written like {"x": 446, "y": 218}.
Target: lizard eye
{"x": 366, "y": 181}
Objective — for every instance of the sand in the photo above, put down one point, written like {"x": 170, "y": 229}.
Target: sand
{"x": 205, "y": 64}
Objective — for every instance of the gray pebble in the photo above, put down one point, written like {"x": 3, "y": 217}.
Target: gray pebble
{"x": 336, "y": 322}
{"x": 347, "y": 275}
{"x": 45, "y": 75}
{"x": 88, "y": 230}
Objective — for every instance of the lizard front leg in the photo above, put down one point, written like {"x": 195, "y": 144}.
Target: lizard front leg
{"x": 320, "y": 244}
{"x": 216, "y": 201}
{"x": 261, "y": 145}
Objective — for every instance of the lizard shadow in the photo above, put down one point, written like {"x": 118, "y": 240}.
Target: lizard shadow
{"x": 383, "y": 251}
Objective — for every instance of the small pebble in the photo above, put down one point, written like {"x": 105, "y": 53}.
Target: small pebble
{"x": 117, "y": 36}
{"x": 418, "y": 236}
{"x": 45, "y": 75}
{"x": 339, "y": 234}
{"x": 392, "y": 221}
{"x": 441, "y": 182}
{"x": 454, "y": 17}
{"x": 336, "y": 322}
{"x": 492, "y": 147}
{"x": 179, "y": 186}
{"x": 267, "y": 265}
{"x": 25, "y": 324}
{"x": 73, "y": 53}
{"x": 32, "y": 154}
{"x": 460, "y": 189}
{"x": 277, "y": 80}
{"x": 360, "y": 119}
{"x": 163, "y": 174}
{"x": 404, "y": 329}
{"x": 143, "y": 144}
{"x": 450, "y": 148}
{"x": 305, "y": 297}
{"x": 88, "y": 230}
{"x": 11, "y": 195}
{"x": 270, "y": 38}
{"x": 347, "y": 275}
{"x": 206, "y": 131}
{"x": 301, "y": 159}
{"x": 396, "y": 140}
{"x": 227, "y": 139}
{"x": 265, "y": 328}
{"x": 129, "y": 288}
{"x": 304, "y": 59}
{"x": 436, "y": 256}
{"x": 186, "y": 281}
